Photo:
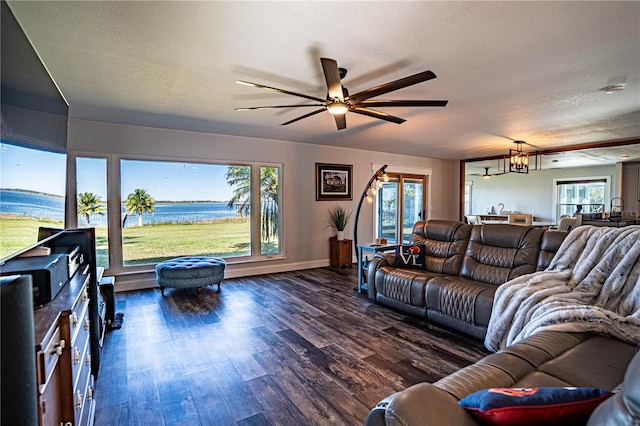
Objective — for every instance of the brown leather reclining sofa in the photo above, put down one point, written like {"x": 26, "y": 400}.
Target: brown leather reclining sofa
{"x": 544, "y": 359}
{"x": 464, "y": 264}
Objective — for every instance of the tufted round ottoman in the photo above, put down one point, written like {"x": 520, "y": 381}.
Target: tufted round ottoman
{"x": 186, "y": 272}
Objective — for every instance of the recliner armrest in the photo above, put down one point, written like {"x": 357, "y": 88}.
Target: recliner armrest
{"x": 423, "y": 404}
{"x": 379, "y": 260}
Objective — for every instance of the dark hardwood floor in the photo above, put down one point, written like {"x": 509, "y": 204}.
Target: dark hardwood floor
{"x": 296, "y": 348}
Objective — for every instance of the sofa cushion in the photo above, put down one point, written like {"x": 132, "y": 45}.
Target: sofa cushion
{"x": 445, "y": 242}
{"x": 461, "y": 298}
{"x": 534, "y": 406}
{"x": 411, "y": 256}
{"x": 403, "y": 284}
{"x": 551, "y": 241}
{"x": 624, "y": 407}
{"x": 498, "y": 253}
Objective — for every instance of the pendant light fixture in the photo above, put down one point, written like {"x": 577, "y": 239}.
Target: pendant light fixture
{"x": 518, "y": 159}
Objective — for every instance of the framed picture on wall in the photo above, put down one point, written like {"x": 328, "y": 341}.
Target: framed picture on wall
{"x": 333, "y": 182}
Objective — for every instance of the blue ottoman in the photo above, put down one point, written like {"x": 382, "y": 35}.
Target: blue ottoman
{"x": 188, "y": 272}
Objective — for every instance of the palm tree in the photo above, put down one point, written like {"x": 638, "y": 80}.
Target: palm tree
{"x": 239, "y": 177}
{"x": 269, "y": 188}
{"x": 88, "y": 204}
{"x": 138, "y": 202}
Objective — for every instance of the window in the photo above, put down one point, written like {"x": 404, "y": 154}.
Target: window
{"x": 32, "y": 195}
{"x": 269, "y": 210}
{"x": 468, "y": 197}
{"x": 91, "y": 203}
{"x": 172, "y": 209}
{"x": 401, "y": 203}
{"x": 588, "y": 193}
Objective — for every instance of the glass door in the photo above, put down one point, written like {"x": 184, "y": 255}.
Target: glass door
{"x": 401, "y": 203}
{"x": 413, "y": 206}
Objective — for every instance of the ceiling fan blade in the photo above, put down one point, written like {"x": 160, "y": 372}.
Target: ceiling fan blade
{"x": 341, "y": 121}
{"x": 375, "y": 103}
{"x": 276, "y": 106}
{"x": 390, "y": 87}
{"x": 274, "y": 89}
{"x": 332, "y": 77}
{"x": 304, "y": 116}
{"x": 377, "y": 114}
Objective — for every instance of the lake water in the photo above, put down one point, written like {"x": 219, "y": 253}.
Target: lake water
{"x": 41, "y": 207}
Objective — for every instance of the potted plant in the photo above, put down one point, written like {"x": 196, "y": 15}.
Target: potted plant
{"x": 338, "y": 218}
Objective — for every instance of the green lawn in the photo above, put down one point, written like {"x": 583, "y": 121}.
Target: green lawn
{"x": 147, "y": 244}
{"x": 153, "y": 243}
{"x": 17, "y": 233}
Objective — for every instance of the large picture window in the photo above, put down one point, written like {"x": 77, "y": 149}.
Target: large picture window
{"x": 171, "y": 209}
{"x": 32, "y": 194}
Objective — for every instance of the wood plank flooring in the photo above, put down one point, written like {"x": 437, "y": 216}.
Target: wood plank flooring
{"x": 295, "y": 348}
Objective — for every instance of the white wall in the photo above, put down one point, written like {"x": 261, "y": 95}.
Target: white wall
{"x": 529, "y": 193}
{"x": 306, "y": 236}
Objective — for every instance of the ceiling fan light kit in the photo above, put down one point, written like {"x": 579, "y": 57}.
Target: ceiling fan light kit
{"x": 337, "y": 108}
{"x": 338, "y": 101}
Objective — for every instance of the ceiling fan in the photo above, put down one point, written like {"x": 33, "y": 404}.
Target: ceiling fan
{"x": 338, "y": 101}
{"x": 486, "y": 174}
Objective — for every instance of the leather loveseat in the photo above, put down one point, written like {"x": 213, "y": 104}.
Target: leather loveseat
{"x": 463, "y": 266}
{"x": 544, "y": 359}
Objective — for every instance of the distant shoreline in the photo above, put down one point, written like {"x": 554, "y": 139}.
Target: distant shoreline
{"x": 28, "y": 191}
{"x": 46, "y": 194}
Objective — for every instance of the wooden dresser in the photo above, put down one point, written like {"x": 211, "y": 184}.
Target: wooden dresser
{"x": 68, "y": 334}
{"x": 63, "y": 355}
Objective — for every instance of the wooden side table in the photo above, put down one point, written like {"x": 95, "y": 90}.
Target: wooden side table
{"x": 340, "y": 253}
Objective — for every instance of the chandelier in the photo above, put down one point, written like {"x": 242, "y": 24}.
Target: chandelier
{"x": 518, "y": 159}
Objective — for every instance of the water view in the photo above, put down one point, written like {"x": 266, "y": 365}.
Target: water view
{"x": 44, "y": 206}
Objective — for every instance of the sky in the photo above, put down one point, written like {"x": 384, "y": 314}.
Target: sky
{"x": 175, "y": 181}
{"x": 32, "y": 169}
{"x": 42, "y": 171}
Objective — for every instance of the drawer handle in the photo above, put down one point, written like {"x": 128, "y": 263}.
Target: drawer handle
{"x": 76, "y": 356}
{"x": 59, "y": 348}
{"x": 85, "y": 294}
{"x": 87, "y": 323}
{"x": 90, "y": 393}
{"x": 74, "y": 319}
{"x": 88, "y": 359}
{"x": 78, "y": 400}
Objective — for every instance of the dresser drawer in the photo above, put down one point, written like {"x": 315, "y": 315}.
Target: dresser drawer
{"x": 78, "y": 315}
{"x": 80, "y": 361}
{"x": 48, "y": 357}
{"x": 83, "y": 401}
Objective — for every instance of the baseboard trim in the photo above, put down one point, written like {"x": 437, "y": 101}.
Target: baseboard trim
{"x": 146, "y": 280}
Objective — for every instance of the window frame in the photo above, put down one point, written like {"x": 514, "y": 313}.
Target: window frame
{"x": 114, "y": 196}
{"x": 594, "y": 179}
{"x": 405, "y": 173}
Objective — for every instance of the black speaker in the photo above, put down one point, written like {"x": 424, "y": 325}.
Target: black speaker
{"x": 107, "y": 289}
{"x": 19, "y": 392}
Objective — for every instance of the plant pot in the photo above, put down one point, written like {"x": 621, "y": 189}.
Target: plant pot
{"x": 340, "y": 236}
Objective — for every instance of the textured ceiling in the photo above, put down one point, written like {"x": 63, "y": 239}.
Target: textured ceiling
{"x": 510, "y": 70}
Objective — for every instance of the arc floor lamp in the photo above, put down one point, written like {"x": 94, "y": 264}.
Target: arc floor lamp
{"x": 367, "y": 188}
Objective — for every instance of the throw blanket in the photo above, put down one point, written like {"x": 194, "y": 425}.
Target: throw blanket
{"x": 592, "y": 284}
